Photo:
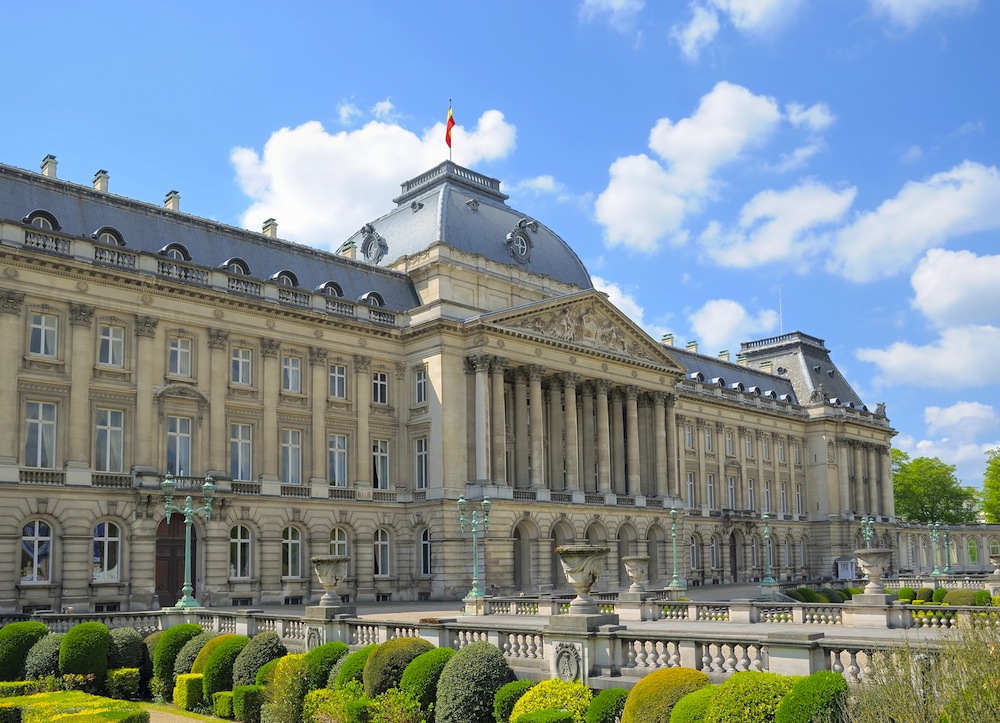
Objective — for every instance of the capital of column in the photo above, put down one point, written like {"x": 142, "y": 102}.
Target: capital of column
{"x": 569, "y": 380}
{"x": 145, "y": 325}
{"x": 617, "y": 394}
{"x": 520, "y": 375}
{"x": 601, "y": 386}
{"x": 681, "y": 419}
{"x": 742, "y": 431}
{"x": 498, "y": 364}
{"x": 81, "y": 314}
{"x": 632, "y": 392}
{"x": 659, "y": 398}
{"x": 317, "y": 356}
{"x": 700, "y": 423}
{"x": 479, "y": 362}
{"x": 362, "y": 363}
{"x": 720, "y": 427}
{"x": 269, "y": 348}
{"x": 535, "y": 372}
{"x": 218, "y": 338}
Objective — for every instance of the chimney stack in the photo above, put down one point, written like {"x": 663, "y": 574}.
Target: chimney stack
{"x": 668, "y": 340}
{"x": 741, "y": 359}
{"x": 692, "y": 346}
{"x": 724, "y": 355}
{"x": 49, "y": 164}
{"x": 172, "y": 201}
{"x": 101, "y": 181}
{"x": 271, "y": 228}
{"x": 767, "y": 366}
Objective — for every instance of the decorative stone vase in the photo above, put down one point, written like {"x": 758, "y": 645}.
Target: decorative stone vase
{"x": 582, "y": 565}
{"x": 995, "y": 561}
{"x": 637, "y": 567}
{"x": 331, "y": 571}
{"x": 874, "y": 562}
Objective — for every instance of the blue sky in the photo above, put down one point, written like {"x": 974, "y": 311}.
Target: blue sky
{"x": 704, "y": 158}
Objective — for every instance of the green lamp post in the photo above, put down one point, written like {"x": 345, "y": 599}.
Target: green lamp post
{"x": 208, "y": 491}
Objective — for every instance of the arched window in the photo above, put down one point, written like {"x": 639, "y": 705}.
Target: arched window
{"x": 36, "y": 552}
{"x": 285, "y": 278}
{"x": 330, "y": 288}
{"x": 973, "y": 552}
{"x": 237, "y": 267}
{"x": 108, "y": 235}
{"x": 338, "y": 542}
{"x": 176, "y": 252}
{"x": 42, "y": 220}
{"x": 239, "y": 552}
{"x": 381, "y": 561}
{"x": 372, "y": 298}
{"x": 995, "y": 547}
{"x": 425, "y": 553}
{"x": 291, "y": 552}
{"x": 107, "y": 549}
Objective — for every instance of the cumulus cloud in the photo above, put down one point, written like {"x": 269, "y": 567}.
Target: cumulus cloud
{"x": 797, "y": 158}
{"x": 965, "y": 419}
{"x": 383, "y": 109}
{"x": 910, "y": 13}
{"x": 961, "y": 357}
{"x": 957, "y": 288}
{"x": 758, "y": 16}
{"x": 923, "y": 214}
{"x": 627, "y": 304}
{"x": 817, "y": 117}
{"x": 723, "y": 323}
{"x": 699, "y": 31}
{"x": 322, "y": 186}
{"x": 541, "y": 185}
{"x": 348, "y": 113}
{"x": 969, "y": 457}
{"x": 618, "y": 13}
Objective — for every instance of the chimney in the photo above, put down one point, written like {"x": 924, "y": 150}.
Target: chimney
{"x": 49, "y": 164}
{"x": 668, "y": 340}
{"x": 172, "y": 201}
{"x": 271, "y": 228}
{"x": 724, "y": 355}
{"x": 101, "y": 181}
{"x": 741, "y": 359}
{"x": 692, "y": 346}
{"x": 767, "y": 366}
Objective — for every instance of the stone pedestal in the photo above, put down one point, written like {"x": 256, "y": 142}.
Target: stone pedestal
{"x": 870, "y": 610}
{"x": 631, "y": 604}
{"x": 578, "y": 646}
{"x": 474, "y": 604}
{"x": 794, "y": 653}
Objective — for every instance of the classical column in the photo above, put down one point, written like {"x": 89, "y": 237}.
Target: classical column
{"x": 145, "y": 444}
{"x": 741, "y": 493}
{"x": 700, "y": 426}
{"x": 572, "y": 454}
{"x": 871, "y": 479}
{"x": 218, "y": 365}
{"x": 617, "y": 441}
{"x": 521, "y": 444}
{"x": 601, "y": 386}
{"x": 536, "y": 402}
{"x": 270, "y": 383}
{"x": 792, "y": 480}
{"x": 10, "y": 322}
{"x": 586, "y": 427}
{"x": 554, "y": 435}
{"x": 647, "y": 468}
{"x": 885, "y": 462}
{"x": 361, "y": 453}
{"x": 480, "y": 364}
{"x": 860, "y": 505}
{"x": 317, "y": 398}
{"x": 759, "y": 436}
{"x": 498, "y": 424}
{"x": 80, "y": 360}
{"x": 632, "y": 430}
{"x": 673, "y": 460}
{"x": 660, "y": 443}
{"x": 843, "y": 475}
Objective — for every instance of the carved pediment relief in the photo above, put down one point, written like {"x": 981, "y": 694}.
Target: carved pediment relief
{"x": 181, "y": 391}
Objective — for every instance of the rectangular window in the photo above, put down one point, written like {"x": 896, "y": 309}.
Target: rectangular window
{"x": 784, "y": 498}
{"x": 688, "y": 437}
{"x": 380, "y": 464}
{"x": 381, "y": 561}
{"x": 338, "y": 381}
{"x": 107, "y": 539}
{"x": 425, "y": 553}
{"x": 178, "y": 446}
{"x": 291, "y": 374}
{"x": 242, "y": 372}
{"x": 380, "y": 388}
{"x": 714, "y": 553}
{"x": 781, "y": 451}
{"x": 708, "y": 440}
{"x": 749, "y": 446}
{"x": 112, "y": 349}
{"x": 40, "y": 435}
{"x": 420, "y": 387}
{"x": 44, "y": 336}
{"x": 291, "y": 552}
{"x": 765, "y": 447}
{"x": 420, "y": 463}
{"x": 710, "y": 490}
{"x": 795, "y": 453}
{"x": 798, "y": 499}
{"x": 751, "y": 496}
{"x": 690, "y": 489}
{"x": 110, "y": 439}
{"x": 179, "y": 356}
{"x": 731, "y": 492}
{"x": 729, "y": 442}
{"x": 337, "y": 444}
{"x": 291, "y": 456}
{"x": 767, "y": 495}
{"x": 240, "y": 452}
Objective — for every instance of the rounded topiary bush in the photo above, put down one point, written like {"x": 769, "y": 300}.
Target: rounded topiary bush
{"x": 808, "y": 594}
{"x": 43, "y": 658}
{"x": 146, "y": 669}
{"x": 924, "y": 593}
{"x": 570, "y": 696}
{"x": 547, "y": 715}
{"x": 506, "y": 698}
{"x": 749, "y": 697}
{"x": 126, "y": 649}
{"x": 84, "y": 651}
{"x": 959, "y": 597}
{"x": 607, "y": 706}
{"x": 983, "y": 598}
{"x": 906, "y": 593}
{"x": 185, "y": 659}
{"x": 266, "y": 673}
{"x": 167, "y": 647}
{"x": 198, "y": 666}
{"x": 263, "y": 648}
{"x": 795, "y": 595}
{"x": 16, "y": 639}
{"x": 818, "y": 698}
{"x": 320, "y": 660}
{"x": 353, "y": 667}
{"x": 654, "y": 696}
{"x": 693, "y": 706}
{"x": 469, "y": 682}
{"x": 384, "y": 667}
{"x": 939, "y": 594}
{"x": 286, "y": 694}
{"x": 421, "y": 677}
{"x": 218, "y": 672}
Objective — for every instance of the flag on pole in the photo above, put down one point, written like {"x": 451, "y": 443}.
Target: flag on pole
{"x": 449, "y": 126}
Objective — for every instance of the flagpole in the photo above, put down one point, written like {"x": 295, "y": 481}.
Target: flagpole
{"x": 449, "y": 136}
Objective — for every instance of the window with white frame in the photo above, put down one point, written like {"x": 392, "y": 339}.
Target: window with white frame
{"x": 420, "y": 462}
{"x": 754, "y": 560}
{"x": 338, "y": 542}
{"x": 338, "y": 381}
{"x": 802, "y": 553}
{"x": 44, "y": 336}
{"x": 973, "y": 552}
{"x": 241, "y": 452}
{"x": 781, "y": 451}
{"x": 714, "y": 553}
{"x": 749, "y": 446}
{"x": 291, "y": 552}
{"x": 729, "y": 441}
{"x": 178, "y": 445}
{"x": 337, "y": 453}
{"x": 239, "y": 552}
{"x": 694, "y": 553}
{"x": 109, "y": 441}
{"x": 708, "y": 440}
{"x": 291, "y": 456}
{"x": 40, "y": 435}
{"x": 765, "y": 448}
{"x": 731, "y": 492}
{"x": 787, "y": 553}
{"x": 380, "y": 388}
{"x": 242, "y": 366}
{"x": 291, "y": 374}
{"x": 36, "y": 552}
{"x": 111, "y": 351}
{"x": 107, "y": 548}
{"x": 420, "y": 386}
{"x": 710, "y": 490}
{"x": 767, "y": 495}
{"x": 382, "y": 568}
{"x": 425, "y": 553}
{"x": 795, "y": 454}
{"x": 784, "y": 498}
{"x": 179, "y": 356}
{"x": 688, "y": 437}
{"x": 42, "y": 223}
{"x": 798, "y": 499}
{"x": 994, "y": 547}
{"x": 380, "y": 464}
{"x": 751, "y": 496}
{"x": 690, "y": 489}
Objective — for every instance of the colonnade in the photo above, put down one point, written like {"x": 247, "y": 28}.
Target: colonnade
{"x": 865, "y": 471}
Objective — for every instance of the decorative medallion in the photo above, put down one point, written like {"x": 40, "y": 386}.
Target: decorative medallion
{"x": 480, "y": 340}
{"x": 318, "y": 333}
{"x": 538, "y": 352}
{"x": 82, "y": 286}
{"x": 362, "y": 342}
{"x": 500, "y": 343}
{"x": 567, "y": 662}
{"x": 270, "y": 323}
{"x": 604, "y": 367}
{"x": 519, "y": 243}
{"x": 9, "y": 273}
{"x": 218, "y": 313}
{"x": 145, "y": 299}
{"x": 572, "y": 360}
{"x": 373, "y": 246}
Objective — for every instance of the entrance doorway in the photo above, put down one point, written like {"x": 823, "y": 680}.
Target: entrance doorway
{"x": 170, "y": 560}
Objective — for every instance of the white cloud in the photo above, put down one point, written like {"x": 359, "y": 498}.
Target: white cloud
{"x": 321, "y": 186}
{"x": 347, "y": 112}
{"x": 721, "y": 323}
{"x": 910, "y": 13}
{"x": 923, "y": 214}
{"x": 957, "y": 288}
{"x": 912, "y": 154}
{"x": 797, "y": 158}
{"x": 619, "y": 13}
{"x": 541, "y": 185}
{"x": 383, "y": 109}
{"x": 758, "y": 16}
{"x": 640, "y": 206}
{"x": 777, "y": 225}
{"x": 817, "y": 117}
{"x": 964, "y": 419}
{"x": 627, "y": 304}
{"x": 968, "y": 457}
{"x": 699, "y": 32}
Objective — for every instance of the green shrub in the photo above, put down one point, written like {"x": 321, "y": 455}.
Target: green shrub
{"x": 263, "y": 648}
{"x": 848, "y": 592}
{"x": 43, "y": 657}
{"x": 16, "y": 639}
{"x": 693, "y": 706}
{"x": 168, "y": 645}
{"x": 808, "y": 594}
{"x": 959, "y": 597}
{"x": 607, "y": 706}
{"x": 906, "y": 593}
{"x": 222, "y": 704}
{"x": 84, "y": 651}
{"x": 316, "y": 701}
{"x": 218, "y": 671}
{"x": 571, "y": 696}
{"x": 421, "y": 677}
{"x": 146, "y": 669}
{"x": 14, "y": 688}
{"x": 939, "y": 594}
{"x": 468, "y": 684}
{"x": 123, "y": 683}
{"x": 320, "y": 659}
{"x": 201, "y": 660}
{"x": 821, "y": 598}
{"x": 125, "y": 649}
{"x": 654, "y": 696}
{"x": 924, "y": 593}
{"x": 266, "y": 672}
{"x": 247, "y": 701}
{"x": 749, "y": 697}
{"x": 506, "y": 698}
{"x": 73, "y": 707}
{"x": 832, "y": 595}
{"x": 353, "y": 667}
{"x": 285, "y": 695}
{"x": 546, "y": 715}
{"x": 983, "y": 598}
{"x": 186, "y": 657}
{"x": 795, "y": 595}
{"x": 384, "y": 667}
{"x": 188, "y": 691}
{"x": 395, "y": 706}
{"x": 346, "y": 704}
{"x": 818, "y": 698}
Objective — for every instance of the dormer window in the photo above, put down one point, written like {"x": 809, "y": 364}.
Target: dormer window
{"x": 372, "y": 298}
{"x": 237, "y": 267}
{"x": 175, "y": 251}
{"x": 330, "y": 288}
{"x": 42, "y": 220}
{"x": 697, "y": 376}
{"x": 285, "y": 278}
{"x": 109, "y": 236}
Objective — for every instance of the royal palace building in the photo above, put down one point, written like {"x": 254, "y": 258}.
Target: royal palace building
{"x": 343, "y": 402}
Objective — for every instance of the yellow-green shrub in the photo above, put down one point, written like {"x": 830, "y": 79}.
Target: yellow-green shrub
{"x": 222, "y": 704}
{"x": 188, "y": 691}
{"x": 652, "y": 699}
{"x": 123, "y": 683}
{"x": 749, "y": 697}
{"x": 571, "y": 696}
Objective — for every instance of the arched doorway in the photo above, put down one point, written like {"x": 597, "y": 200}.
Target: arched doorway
{"x": 562, "y": 534}
{"x": 170, "y": 560}
{"x": 522, "y": 559}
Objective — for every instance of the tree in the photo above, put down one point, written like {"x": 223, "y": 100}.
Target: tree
{"x": 991, "y": 486}
{"x": 927, "y": 490}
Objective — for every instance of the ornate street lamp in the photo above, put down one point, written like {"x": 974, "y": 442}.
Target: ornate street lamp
{"x": 934, "y": 530}
{"x": 474, "y": 523}
{"x": 947, "y": 550}
{"x": 208, "y": 491}
{"x": 675, "y": 584}
{"x": 768, "y": 578}
{"x": 868, "y": 530}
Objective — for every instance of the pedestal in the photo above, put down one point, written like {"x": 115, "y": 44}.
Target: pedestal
{"x": 871, "y": 610}
{"x": 474, "y": 604}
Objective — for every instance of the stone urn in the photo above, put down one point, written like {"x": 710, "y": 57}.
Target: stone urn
{"x": 873, "y": 563}
{"x": 583, "y": 565}
{"x": 331, "y": 571}
{"x": 637, "y": 567}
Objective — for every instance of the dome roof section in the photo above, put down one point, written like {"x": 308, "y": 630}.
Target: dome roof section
{"x": 466, "y": 211}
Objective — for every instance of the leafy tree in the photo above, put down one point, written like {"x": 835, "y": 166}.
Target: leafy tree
{"x": 927, "y": 490}
{"x": 991, "y": 486}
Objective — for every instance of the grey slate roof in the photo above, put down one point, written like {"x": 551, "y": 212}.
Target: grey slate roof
{"x": 714, "y": 368}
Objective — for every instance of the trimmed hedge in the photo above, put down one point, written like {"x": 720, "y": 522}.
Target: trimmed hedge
{"x": 570, "y": 696}
{"x": 198, "y": 666}
{"x": 218, "y": 670}
{"x": 14, "y": 688}
{"x": 73, "y": 705}
{"x": 795, "y": 595}
{"x": 125, "y": 649}
{"x": 818, "y": 698}
{"x": 222, "y": 704}
{"x": 168, "y": 646}
{"x": 186, "y": 657}
{"x": 16, "y": 639}
{"x": 983, "y": 598}
{"x": 316, "y": 701}
{"x": 43, "y": 658}
{"x": 188, "y": 691}
{"x": 384, "y": 667}
{"x": 469, "y": 682}
{"x": 266, "y": 673}
{"x": 320, "y": 660}
{"x": 546, "y": 715}
{"x": 939, "y": 594}
{"x": 906, "y": 593}
{"x": 123, "y": 683}
{"x": 346, "y": 704}
{"x": 395, "y": 706}
{"x": 506, "y": 698}
{"x": 808, "y": 594}
{"x": 353, "y": 665}
{"x": 693, "y": 706}
{"x": 247, "y": 701}
{"x": 263, "y": 648}
{"x": 421, "y": 677}
{"x": 924, "y": 593}
{"x": 653, "y": 698}
{"x": 84, "y": 651}
{"x": 749, "y": 697}
{"x": 284, "y": 697}
{"x": 146, "y": 669}
{"x": 959, "y": 597}
{"x": 607, "y": 706}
